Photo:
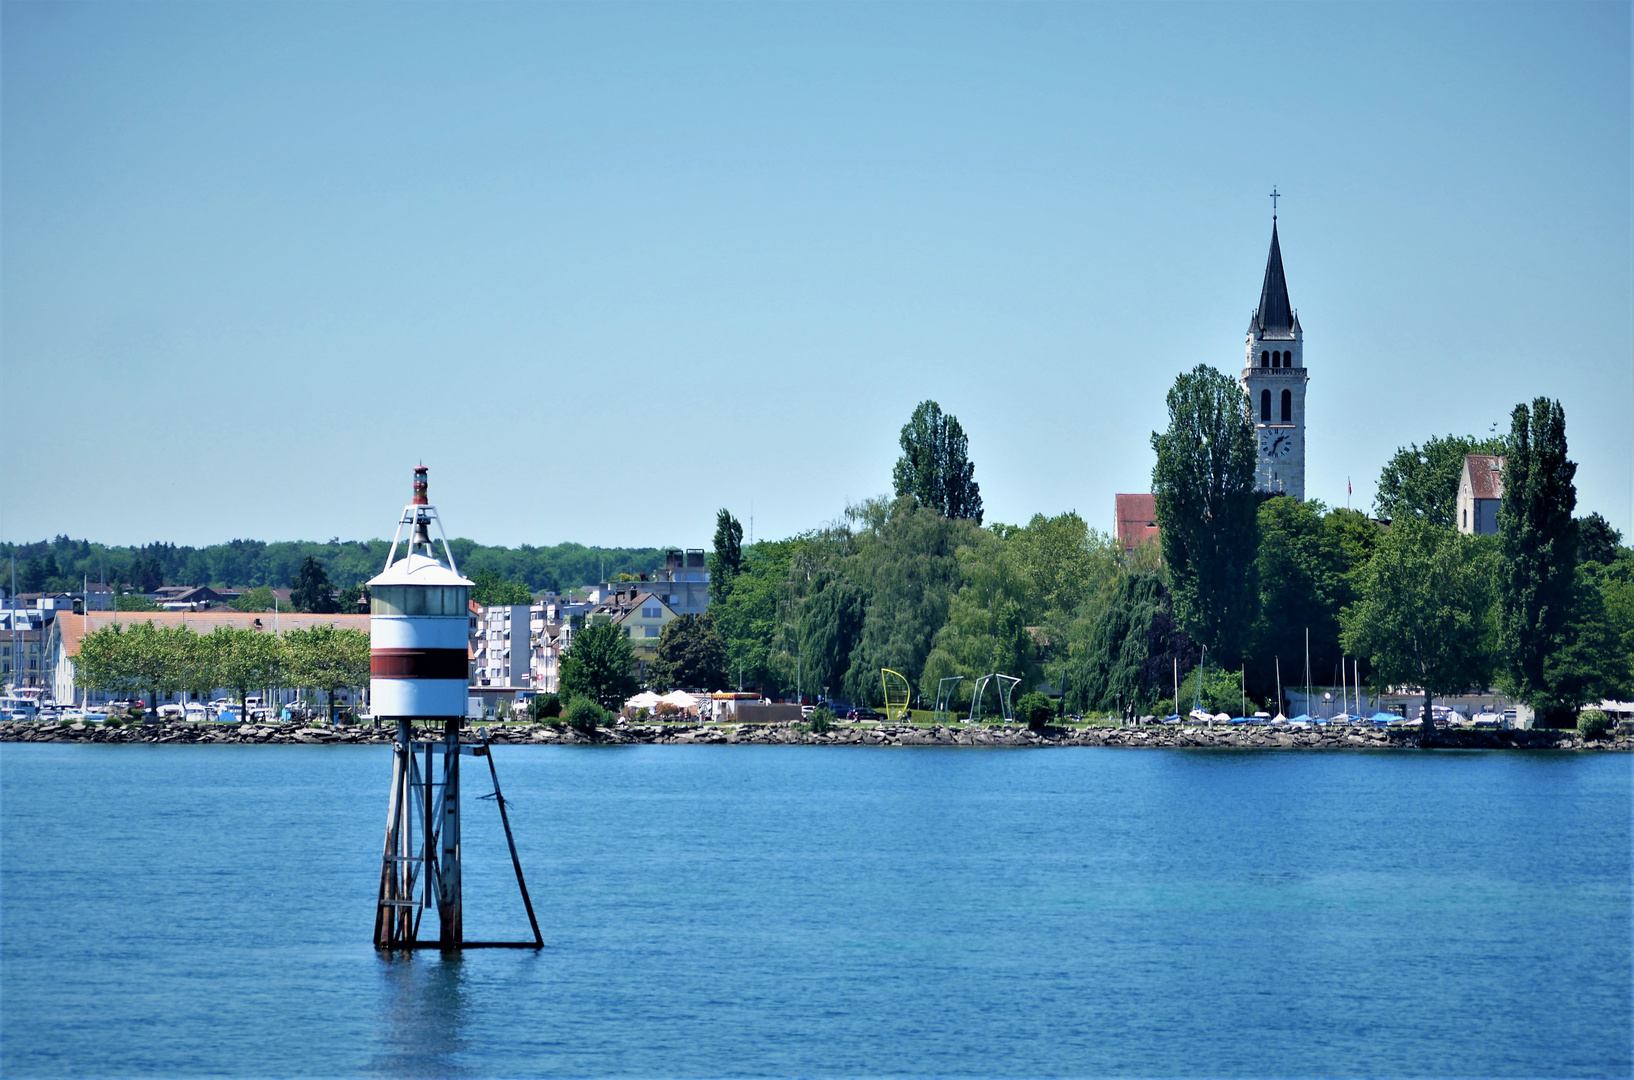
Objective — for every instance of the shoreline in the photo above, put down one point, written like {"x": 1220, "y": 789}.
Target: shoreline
{"x": 1173, "y": 736}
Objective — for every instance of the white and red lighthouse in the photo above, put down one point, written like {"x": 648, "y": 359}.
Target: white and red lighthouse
{"x": 418, "y": 673}
{"x": 419, "y": 629}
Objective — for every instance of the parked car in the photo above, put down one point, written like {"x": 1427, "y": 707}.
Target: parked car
{"x": 864, "y": 714}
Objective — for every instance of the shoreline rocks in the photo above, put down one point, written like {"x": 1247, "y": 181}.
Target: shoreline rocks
{"x": 1173, "y": 736}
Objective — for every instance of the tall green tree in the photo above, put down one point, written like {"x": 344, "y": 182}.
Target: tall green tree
{"x": 1538, "y": 539}
{"x": 599, "y": 665}
{"x": 690, "y": 654}
{"x": 1425, "y": 614}
{"x": 726, "y": 560}
{"x": 1423, "y": 480}
{"x": 312, "y": 590}
{"x": 327, "y": 658}
{"x": 1204, "y": 482}
{"x": 1304, "y": 585}
{"x": 935, "y": 465}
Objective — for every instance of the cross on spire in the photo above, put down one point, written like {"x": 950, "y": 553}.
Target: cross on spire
{"x": 1274, "y": 196}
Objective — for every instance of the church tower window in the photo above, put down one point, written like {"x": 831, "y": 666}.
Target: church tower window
{"x": 1265, "y": 405}
{"x": 1276, "y": 359}
{"x": 1265, "y": 359}
{"x": 1287, "y": 406}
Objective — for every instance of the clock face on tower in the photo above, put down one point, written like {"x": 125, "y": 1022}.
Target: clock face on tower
{"x": 1276, "y": 444}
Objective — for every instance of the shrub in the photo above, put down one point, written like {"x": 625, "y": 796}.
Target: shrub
{"x": 1034, "y": 709}
{"x": 665, "y": 709}
{"x": 820, "y": 720}
{"x": 585, "y": 714}
{"x": 1593, "y": 724}
{"x": 640, "y": 714}
{"x": 113, "y": 722}
{"x": 545, "y": 707}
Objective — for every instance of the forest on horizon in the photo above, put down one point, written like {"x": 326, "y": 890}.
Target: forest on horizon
{"x": 63, "y": 564}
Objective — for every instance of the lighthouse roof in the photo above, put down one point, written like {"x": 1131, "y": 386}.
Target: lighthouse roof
{"x": 417, "y": 569}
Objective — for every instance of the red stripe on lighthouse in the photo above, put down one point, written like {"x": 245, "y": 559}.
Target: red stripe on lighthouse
{"x": 418, "y": 664}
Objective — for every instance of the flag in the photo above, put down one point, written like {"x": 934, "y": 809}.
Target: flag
{"x": 1348, "y": 490}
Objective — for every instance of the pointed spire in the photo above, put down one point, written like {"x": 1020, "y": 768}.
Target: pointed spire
{"x": 1275, "y": 313}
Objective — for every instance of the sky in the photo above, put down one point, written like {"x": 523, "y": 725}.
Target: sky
{"x": 608, "y": 268}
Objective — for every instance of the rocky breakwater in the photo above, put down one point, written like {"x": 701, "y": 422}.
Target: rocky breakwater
{"x": 1334, "y": 737}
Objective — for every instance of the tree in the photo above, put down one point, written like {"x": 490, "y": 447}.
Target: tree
{"x": 327, "y": 658}
{"x": 690, "y": 654}
{"x": 935, "y": 465}
{"x": 138, "y": 656}
{"x": 491, "y": 590}
{"x": 1538, "y": 540}
{"x": 1597, "y": 541}
{"x": 986, "y": 626}
{"x": 244, "y": 660}
{"x": 727, "y": 558}
{"x": 1125, "y": 655}
{"x": 907, "y": 564}
{"x": 1204, "y": 482}
{"x": 1424, "y": 618}
{"x": 1423, "y": 480}
{"x": 599, "y": 665}
{"x": 1304, "y": 585}
{"x": 103, "y": 661}
{"x": 755, "y": 618}
{"x": 312, "y": 591}
{"x": 1034, "y": 709}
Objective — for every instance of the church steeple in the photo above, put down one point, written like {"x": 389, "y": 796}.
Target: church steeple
{"x": 1275, "y": 314}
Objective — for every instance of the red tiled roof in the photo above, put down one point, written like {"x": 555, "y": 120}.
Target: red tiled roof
{"x": 1137, "y": 519}
{"x": 1486, "y": 478}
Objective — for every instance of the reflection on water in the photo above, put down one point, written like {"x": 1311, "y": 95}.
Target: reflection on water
{"x": 422, "y": 1014}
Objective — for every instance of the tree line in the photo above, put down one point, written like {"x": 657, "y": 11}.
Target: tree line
{"x": 63, "y": 565}
{"x": 142, "y": 658}
{"x": 1239, "y": 585}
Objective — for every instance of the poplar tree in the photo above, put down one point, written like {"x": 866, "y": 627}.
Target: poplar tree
{"x": 1538, "y": 541}
{"x": 727, "y": 558}
{"x": 935, "y": 465}
{"x": 1206, "y": 506}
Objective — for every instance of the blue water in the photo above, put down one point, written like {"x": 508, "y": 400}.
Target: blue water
{"x": 174, "y": 911}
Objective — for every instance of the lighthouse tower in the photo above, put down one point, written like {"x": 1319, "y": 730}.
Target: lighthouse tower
{"x": 418, "y": 673}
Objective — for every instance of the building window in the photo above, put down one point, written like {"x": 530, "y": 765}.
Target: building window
{"x": 1265, "y": 405}
{"x": 652, "y": 631}
{"x": 651, "y": 612}
{"x": 1276, "y": 359}
{"x": 1287, "y": 406}
{"x": 1265, "y": 359}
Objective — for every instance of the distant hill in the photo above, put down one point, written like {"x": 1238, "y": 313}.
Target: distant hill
{"x": 62, "y": 564}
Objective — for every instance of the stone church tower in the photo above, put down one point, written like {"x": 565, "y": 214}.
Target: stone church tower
{"x": 1274, "y": 378}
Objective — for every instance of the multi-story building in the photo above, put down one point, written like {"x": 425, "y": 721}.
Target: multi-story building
{"x": 22, "y": 648}
{"x": 502, "y": 646}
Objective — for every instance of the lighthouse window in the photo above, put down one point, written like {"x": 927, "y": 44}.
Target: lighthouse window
{"x": 1287, "y": 406}
{"x": 418, "y": 600}
{"x": 1265, "y": 359}
{"x": 1265, "y": 405}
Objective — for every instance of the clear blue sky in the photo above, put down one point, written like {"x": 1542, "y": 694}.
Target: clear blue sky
{"x": 607, "y": 268}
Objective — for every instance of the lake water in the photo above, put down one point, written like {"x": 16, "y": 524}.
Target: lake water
{"x": 799, "y": 911}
